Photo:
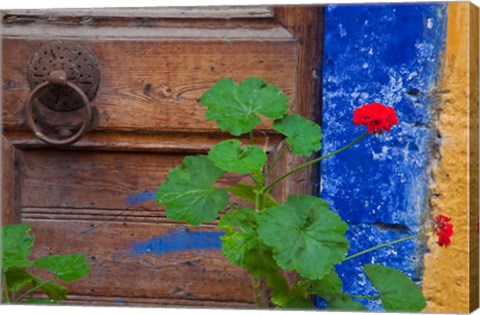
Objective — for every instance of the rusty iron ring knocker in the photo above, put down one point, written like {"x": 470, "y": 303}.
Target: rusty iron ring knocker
{"x": 58, "y": 77}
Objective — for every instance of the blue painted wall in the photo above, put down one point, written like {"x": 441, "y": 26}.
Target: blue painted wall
{"x": 389, "y": 54}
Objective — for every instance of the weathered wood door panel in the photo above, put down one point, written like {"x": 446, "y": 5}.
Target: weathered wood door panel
{"x": 97, "y": 195}
{"x": 156, "y": 85}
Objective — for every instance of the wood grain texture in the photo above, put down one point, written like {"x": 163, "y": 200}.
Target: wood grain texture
{"x": 167, "y": 31}
{"x": 116, "y": 271}
{"x": 10, "y": 185}
{"x": 89, "y": 300}
{"x": 173, "y": 142}
{"x": 154, "y": 85}
{"x": 207, "y": 12}
{"x": 305, "y": 23}
{"x": 95, "y": 180}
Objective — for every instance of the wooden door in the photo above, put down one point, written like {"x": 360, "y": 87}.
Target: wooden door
{"x": 96, "y": 196}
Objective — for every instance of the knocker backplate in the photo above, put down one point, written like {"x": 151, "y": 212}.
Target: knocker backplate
{"x": 79, "y": 64}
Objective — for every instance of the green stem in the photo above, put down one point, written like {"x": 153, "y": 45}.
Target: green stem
{"x": 364, "y": 297}
{"x": 259, "y": 202}
{"x": 253, "y": 178}
{"x": 385, "y": 245}
{"x": 5, "y": 288}
{"x": 315, "y": 161}
{"x": 257, "y": 292}
{"x": 277, "y": 158}
{"x": 251, "y": 137}
{"x": 234, "y": 206}
{"x": 34, "y": 289}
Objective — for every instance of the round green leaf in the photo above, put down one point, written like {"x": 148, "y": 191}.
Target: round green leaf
{"x": 286, "y": 298}
{"x": 189, "y": 194}
{"x": 236, "y": 107}
{"x": 280, "y": 291}
{"x": 242, "y": 219}
{"x": 303, "y": 136}
{"x": 17, "y": 245}
{"x": 397, "y": 291}
{"x": 329, "y": 287}
{"x": 229, "y": 156}
{"x": 305, "y": 235}
{"x": 65, "y": 267}
{"x": 241, "y": 244}
{"x": 17, "y": 279}
{"x": 54, "y": 290}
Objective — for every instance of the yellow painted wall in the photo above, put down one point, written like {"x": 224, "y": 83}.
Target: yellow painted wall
{"x": 450, "y": 281}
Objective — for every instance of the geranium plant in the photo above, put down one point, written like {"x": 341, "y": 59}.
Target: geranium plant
{"x": 19, "y": 282}
{"x": 301, "y": 234}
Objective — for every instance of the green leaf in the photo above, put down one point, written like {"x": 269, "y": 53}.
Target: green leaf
{"x": 17, "y": 279}
{"x": 17, "y": 245}
{"x": 39, "y": 301}
{"x": 303, "y": 136}
{"x": 329, "y": 287}
{"x": 235, "y": 107}
{"x": 242, "y": 219}
{"x": 247, "y": 193}
{"x": 299, "y": 303}
{"x": 229, "y": 156}
{"x": 305, "y": 235}
{"x": 53, "y": 290}
{"x": 241, "y": 244}
{"x": 189, "y": 194}
{"x": 397, "y": 291}
{"x": 280, "y": 292}
{"x": 345, "y": 303}
{"x": 65, "y": 267}
{"x": 282, "y": 296}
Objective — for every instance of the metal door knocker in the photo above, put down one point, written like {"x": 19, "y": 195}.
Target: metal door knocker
{"x": 64, "y": 77}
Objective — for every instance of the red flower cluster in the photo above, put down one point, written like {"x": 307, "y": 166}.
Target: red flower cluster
{"x": 443, "y": 229}
{"x": 376, "y": 117}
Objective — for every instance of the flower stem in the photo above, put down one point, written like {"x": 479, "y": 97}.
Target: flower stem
{"x": 385, "y": 245}
{"x": 266, "y": 189}
{"x": 5, "y": 288}
{"x": 251, "y": 137}
{"x": 364, "y": 297}
{"x": 34, "y": 289}
{"x": 257, "y": 293}
{"x": 277, "y": 158}
{"x": 259, "y": 202}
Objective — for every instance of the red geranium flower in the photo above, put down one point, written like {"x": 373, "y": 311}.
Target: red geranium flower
{"x": 376, "y": 117}
{"x": 443, "y": 229}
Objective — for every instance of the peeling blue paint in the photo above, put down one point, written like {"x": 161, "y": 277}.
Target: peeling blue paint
{"x": 121, "y": 300}
{"x": 388, "y": 54}
{"x": 142, "y": 197}
{"x": 178, "y": 240}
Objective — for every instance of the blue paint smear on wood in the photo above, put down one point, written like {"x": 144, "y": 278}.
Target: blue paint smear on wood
{"x": 389, "y": 54}
{"x": 178, "y": 240}
{"x": 142, "y": 197}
